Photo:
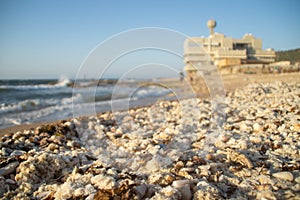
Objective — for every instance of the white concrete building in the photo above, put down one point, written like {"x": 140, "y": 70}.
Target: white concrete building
{"x": 224, "y": 51}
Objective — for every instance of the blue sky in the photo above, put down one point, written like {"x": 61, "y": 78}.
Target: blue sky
{"x": 48, "y": 39}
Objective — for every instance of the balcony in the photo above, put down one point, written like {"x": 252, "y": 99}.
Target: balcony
{"x": 229, "y": 53}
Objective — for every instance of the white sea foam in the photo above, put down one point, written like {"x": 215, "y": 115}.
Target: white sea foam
{"x": 44, "y": 102}
{"x": 61, "y": 83}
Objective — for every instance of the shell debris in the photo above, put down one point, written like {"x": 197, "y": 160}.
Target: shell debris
{"x": 248, "y": 149}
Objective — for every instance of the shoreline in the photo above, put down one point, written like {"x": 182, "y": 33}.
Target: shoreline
{"x": 231, "y": 82}
{"x": 247, "y": 149}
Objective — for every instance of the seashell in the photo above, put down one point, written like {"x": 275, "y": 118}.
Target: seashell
{"x": 170, "y": 192}
{"x": 243, "y": 173}
{"x": 151, "y": 146}
{"x": 89, "y": 189}
{"x": 255, "y": 139}
{"x": 288, "y": 176}
{"x": 266, "y": 194}
{"x": 52, "y": 147}
{"x": 204, "y": 190}
{"x": 180, "y": 183}
{"x": 239, "y": 158}
{"x": 295, "y": 127}
{"x": 264, "y": 179}
{"x": 70, "y": 124}
{"x": 179, "y": 165}
{"x": 184, "y": 174}
{"x": 204, "y": 170}
{"x": 169, "y": 179}
{"x": 256, "y": 127}
{"x": 243, "y": 127}
{"x": 104, "y": 182}
{"x": 242, "y": 144}
{"x": 79, "y": 192}
{"x": 45, "y": 195}
{"x": 263, "y": 187}
{"x": 197, "y": 145}
{"x": 225, "y": 137}
{"x": 184, "y": 187}
{"x": 160, "y": 179}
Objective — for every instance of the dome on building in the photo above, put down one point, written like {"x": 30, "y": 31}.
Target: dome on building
{"x": 211, "y": 24}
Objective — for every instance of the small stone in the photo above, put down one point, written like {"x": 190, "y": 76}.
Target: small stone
{"x": 204, "y": 191}
{"x": 256, "y": 127}
{"x": 17, "y": 153}
{"x": 243, "y": 144}
{"x": 209, "y": 156}
{"x": 266, "y": 194}
{"x": 264, "y": 187}
{"x": 45, "y": 195}
{"x": 141, "y": 190}
{"x": 180, "y": 183}
{"x": 104, "y": 182}
{"x": 171, "y": 192}
{"x": 297, "y": 179}
{"x": 204, "y": 170}
{"x": 255, "y": 139}
{"x": 70, "y": 125}
{"x": 168, "y": 179}
{"x": 296, "y": 127}
{"x": 243, "y": 127}
{"x": 79, "y": 192}
{"x": 288, "y": 176}
{"x": 52, "y": 147}
{"x": 184, "y": 187}
{"x": 90, "y": 197}
{"x": 224, "y": 138}
{"x": 10, "y": 181}
{"x": 264, "y": 179}
{"x": 6, "y": 151}
{"x": 8, "y": 169}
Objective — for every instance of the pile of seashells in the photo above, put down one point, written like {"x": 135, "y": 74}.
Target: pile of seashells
{"x": 249, "y": 148}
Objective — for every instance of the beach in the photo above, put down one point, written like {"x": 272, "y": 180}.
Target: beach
{"x": 229, "y": 83}
{"x": 242, "y": 146}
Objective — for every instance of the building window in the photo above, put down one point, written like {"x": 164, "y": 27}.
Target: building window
{"x": 240, "y": 46}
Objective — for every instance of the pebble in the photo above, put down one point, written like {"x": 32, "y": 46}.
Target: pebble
{"x": 170, "y": 150}
{"x": 10, "y": 181}
{"x": 104, "y": 182}
{"x": 184, "y": 187}
{"x": 8, "y": 169}
{"x": 256, "y": 127}
{"x": 288, "y": 176}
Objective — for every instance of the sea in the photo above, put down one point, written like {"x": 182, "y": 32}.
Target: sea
{"x": 32, "y": 101}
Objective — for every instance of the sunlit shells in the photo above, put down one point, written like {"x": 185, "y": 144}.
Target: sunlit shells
{"x": 170, "y": 150}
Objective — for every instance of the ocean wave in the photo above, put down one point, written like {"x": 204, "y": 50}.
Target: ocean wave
{"x": 35, "y": 104}
{"x": 151, "y": 91}
{"x": 51, "y": 85}
{"x": 26, "y": 105}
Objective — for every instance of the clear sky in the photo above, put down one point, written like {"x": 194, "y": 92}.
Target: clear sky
{"x": 48, "y": 39}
